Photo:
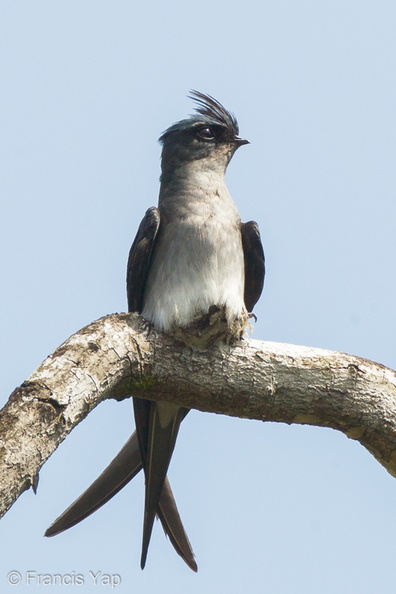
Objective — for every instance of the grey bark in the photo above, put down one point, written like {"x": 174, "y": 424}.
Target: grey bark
{"x": 119, "y": 355}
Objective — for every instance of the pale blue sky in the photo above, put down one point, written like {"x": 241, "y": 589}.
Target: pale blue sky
{"x": 87, "y": 88}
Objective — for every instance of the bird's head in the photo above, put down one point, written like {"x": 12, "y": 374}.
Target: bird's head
{"x": 209, "y": 137}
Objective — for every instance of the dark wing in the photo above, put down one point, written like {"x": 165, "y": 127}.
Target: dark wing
{"x": 128, "y": 461}
{"x": 140, "y": 257}
{"x": 254, "y": 263}
{"x": 159, "y": 498}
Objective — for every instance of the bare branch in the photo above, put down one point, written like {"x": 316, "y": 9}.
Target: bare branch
{"x": 118, "y": 355}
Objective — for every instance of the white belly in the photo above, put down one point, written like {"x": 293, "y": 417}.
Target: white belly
{"x": 195, "y": 266}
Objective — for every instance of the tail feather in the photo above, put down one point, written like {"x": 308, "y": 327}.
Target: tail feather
{"x": 118, "y": 473}
{"x": 171, "y": 522}
{"x": 164, "y": 425}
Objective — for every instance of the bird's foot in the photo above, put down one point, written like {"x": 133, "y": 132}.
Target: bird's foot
{"x": 211, "y": 328}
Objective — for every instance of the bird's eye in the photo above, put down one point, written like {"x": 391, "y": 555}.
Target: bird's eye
{"x": 206, "y": 133}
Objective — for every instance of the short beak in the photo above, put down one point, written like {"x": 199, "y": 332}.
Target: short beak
{"x": 240, "y": 141}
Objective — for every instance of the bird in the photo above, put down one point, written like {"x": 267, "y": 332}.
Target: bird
{"x": 195, "y": 272}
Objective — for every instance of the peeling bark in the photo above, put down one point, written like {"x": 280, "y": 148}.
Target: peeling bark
{"x": 118, "y": 356}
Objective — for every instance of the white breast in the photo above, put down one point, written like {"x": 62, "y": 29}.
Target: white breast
{"x": 198, "y": 262}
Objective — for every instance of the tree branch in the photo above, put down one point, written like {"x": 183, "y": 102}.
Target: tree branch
{"x": 119, "y": 355}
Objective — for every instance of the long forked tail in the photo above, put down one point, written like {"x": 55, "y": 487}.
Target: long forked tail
{"x": 118, "y": 473}
{"x": 164, "y": 425}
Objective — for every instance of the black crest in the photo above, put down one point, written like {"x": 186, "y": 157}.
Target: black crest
{"x": 210, "y": 108}
{"x": 210, "y": 112}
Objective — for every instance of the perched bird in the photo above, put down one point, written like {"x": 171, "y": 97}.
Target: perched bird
{"x": 194, "y": 271}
